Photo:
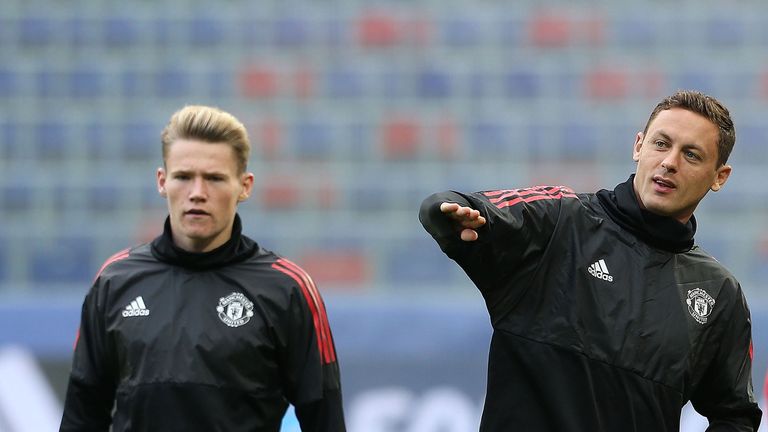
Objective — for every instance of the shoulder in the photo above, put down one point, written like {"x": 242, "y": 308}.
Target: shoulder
{"x": 123, "y": 259}
{"x": 510, "y": 197}
{"x": 704, "y": 264}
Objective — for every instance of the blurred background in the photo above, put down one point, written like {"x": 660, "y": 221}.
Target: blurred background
{"x": 357, "y": 110}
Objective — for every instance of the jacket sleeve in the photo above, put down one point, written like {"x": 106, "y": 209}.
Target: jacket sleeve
{"x": 725, "y": 395}
{"x": 91, "y": 389}
{"x": 519, "y": 225}
{"x": 308, "y": 359}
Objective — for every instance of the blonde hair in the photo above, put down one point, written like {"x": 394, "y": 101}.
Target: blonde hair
{"x": 210, "y": 125}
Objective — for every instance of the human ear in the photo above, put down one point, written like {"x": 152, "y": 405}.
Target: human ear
{"x": 161, "y": 176}
{"x": 637, "y": 146}
{"x": 721, "y": 177}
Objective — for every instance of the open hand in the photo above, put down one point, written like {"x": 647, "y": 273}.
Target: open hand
{"x": 467, "y": 219}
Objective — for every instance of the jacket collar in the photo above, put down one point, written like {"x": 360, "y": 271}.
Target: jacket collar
{"x": 236, "y": 249}
{"x": 658, "y": 231}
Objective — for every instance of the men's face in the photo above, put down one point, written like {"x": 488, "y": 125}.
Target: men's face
{"x": 677, "y": 163}
{"x": 200, "y": 180}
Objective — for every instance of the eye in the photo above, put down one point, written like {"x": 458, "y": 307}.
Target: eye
{"x": 691, "y": 155}
{"x": 181, "y": 176}
{"x": 660, "y": 143}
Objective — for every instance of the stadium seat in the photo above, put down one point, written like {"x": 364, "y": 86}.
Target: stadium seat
{"x": 635, "y": 32}
{"x": 279, "y": 192}
{"x": 291, "y": 31}
{"x": 313, "y": 139}
{"x": 461, "y": 32}
{"x": 52, "y": 140}
{"x": 550, "y": 29}
{"x": 205, "y": 31}
{"x": 36, "y": 30}
{"x": 120, "y": 31}
{"x": 61, "y": 260}
{"x": 86, "y": 83}
{"x": 725, "y": 30}
{"x": 9, "y": 141}
{"x": 433, "y": 82}
{"x": 9, "y": 82}
{"x": 104, "y": 198}
{"x": 47, "y": 83}
{"x": 342, "y": 83}
{"x": 522, "y": 84}
{"x": 417, "y": 262}
{"x": 17, "y": 197}
{"x": 339, "y": 269}
{"x": 258, "y": 81}
{"x": 172, "y": 83}
{"x": 607, "y": 84}
{"x": 379, "y": 29}
{"x": 401, "y": 138}
{"x": 579, "y": 142}
{"x": 488, "y": 138}
{"x": 141, "y": 140}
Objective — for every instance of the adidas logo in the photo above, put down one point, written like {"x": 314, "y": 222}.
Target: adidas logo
{"x": 136, "y": 308}
{"x": 600, "y": 271}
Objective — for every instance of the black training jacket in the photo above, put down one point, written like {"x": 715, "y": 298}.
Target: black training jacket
{"x": 217, "y": 341}
{"x": 594, "y": 330}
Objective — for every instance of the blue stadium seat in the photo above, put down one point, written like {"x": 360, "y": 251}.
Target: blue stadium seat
{"x": 725, "y": 31}
{"x": 220, "y": 84}
{"x": 4, "y": 261}
{"x": 52, "y": 140}
{"x": 9, "y": 140}
{"x": 578, "y": 142}
{"x": 206, "y": 31}
{"x": 461, "y": 32}
{"x": 79, "y": 31}
{"x": 17, "y": 197}
{"x": 433, "y": 83}
{"x": 172, "y": 83}
{"x": 86, "y": 83}
{"x": 636, "y": 32}
{"x": 489, "y": 138}
{"x": 313, "y": 139}
{"x": 521, "y": 84}
{"x": 696, "y": 80}
{"x": 291, "y": 31}
{"x": 141, "y": 140}
{"x": 36, "y": 30}
{"x": 8, "y": 82}
{"x": 121, "y": 31}
{"x": 104, "y": 198}
{"x": 344, "y": 83}
{"x": 131, "y": 83}
{"x": 418, "y": 261}
{"x": 62, "y": 260}
{"x": 751, "y": 139}
{"x": 47, "y": 83}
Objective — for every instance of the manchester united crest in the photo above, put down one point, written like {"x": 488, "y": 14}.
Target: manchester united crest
{"x": 700, "y": 304}
{"x": 235, "y": 309}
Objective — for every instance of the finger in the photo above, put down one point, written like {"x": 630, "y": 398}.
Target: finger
{"x": 469, "y": 235}
{"x": 448, "y": 207}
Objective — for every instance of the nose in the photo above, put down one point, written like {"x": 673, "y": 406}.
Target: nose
{"x": 670, "y": 162}
{"x": 198, "y": 191}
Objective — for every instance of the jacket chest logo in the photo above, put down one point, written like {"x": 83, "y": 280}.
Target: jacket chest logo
{"x": 700, "y": 304}
{"x": 235, "y": 309}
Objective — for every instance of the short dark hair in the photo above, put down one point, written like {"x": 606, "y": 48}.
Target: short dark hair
{"x": 708, "y": 107}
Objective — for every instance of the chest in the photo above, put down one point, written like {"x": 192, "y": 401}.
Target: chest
{"x": 193, "y": 327}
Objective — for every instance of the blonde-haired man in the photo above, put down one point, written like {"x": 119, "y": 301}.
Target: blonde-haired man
{"x": 202, "y": 329}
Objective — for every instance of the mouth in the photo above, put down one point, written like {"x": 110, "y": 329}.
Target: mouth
{"x": 196, "y": 212}
{"x": 664, "y": 183}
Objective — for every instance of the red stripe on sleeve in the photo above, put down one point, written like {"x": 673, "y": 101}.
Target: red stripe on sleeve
{"x": 316, "y": 307}
{"x": 116, "y": 257}
{"x": 318, "y": 299}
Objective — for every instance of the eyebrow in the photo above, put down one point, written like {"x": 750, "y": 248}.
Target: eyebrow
{"x": 689, "y": 145}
